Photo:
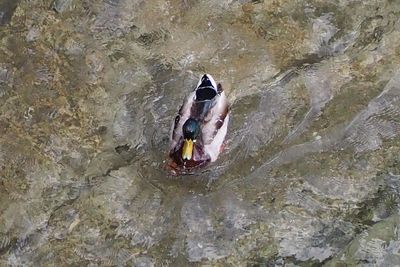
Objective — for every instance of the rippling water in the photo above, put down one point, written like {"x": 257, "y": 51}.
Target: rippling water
{"x": 310, "y": 175}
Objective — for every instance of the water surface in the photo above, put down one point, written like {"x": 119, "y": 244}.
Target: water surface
{"x": 310, "y": 175}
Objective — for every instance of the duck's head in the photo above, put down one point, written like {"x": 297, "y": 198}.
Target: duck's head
{"x": 191, "y": 130}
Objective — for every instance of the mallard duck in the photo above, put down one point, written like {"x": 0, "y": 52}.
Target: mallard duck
{"x": 200, "y": 127}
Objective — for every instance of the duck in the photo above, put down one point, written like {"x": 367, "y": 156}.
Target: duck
{"x": 199, "y": 130}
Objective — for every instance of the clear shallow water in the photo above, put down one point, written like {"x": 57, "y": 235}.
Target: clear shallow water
{"x": 310, "y": 175}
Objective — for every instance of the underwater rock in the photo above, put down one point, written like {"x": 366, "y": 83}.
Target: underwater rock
{"x": 377, "y": 246}
{"x": 7, "y": 9}
{"x": 62, "y": 5}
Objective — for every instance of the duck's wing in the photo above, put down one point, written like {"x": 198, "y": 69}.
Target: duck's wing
{"x": 215, "y": 125}
{"x": 183, "y": 115}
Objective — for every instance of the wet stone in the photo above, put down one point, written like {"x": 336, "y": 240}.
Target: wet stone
{"x": 7, "y": 9}
{"x": 61, "y": 6}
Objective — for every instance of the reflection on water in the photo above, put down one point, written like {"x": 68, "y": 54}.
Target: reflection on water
{"x": 89, "y": 90}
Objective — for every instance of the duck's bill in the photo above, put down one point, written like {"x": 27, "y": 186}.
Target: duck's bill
{"x": 187, "y": 150}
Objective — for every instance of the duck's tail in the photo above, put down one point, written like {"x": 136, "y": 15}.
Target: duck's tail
{"x": 206, "y": 88}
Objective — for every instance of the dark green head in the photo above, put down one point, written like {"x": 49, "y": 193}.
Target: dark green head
{"x": 191, "y": 129}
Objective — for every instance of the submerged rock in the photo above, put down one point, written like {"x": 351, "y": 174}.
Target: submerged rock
{"x": 61, "y": 6}
{"x": 7, "y": 8}
{"x": 377, "y": 246}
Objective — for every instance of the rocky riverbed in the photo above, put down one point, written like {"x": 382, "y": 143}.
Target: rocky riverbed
{"x": 310, "y": 175}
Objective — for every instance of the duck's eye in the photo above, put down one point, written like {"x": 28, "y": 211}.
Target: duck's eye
{"x": 177, "y": 118}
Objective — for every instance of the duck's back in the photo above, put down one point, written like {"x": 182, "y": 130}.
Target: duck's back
{"x": 215, "y": 126}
